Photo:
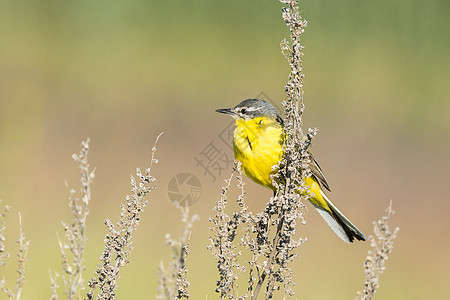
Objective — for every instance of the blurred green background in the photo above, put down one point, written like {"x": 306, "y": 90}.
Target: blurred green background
{"x": 120, "y": 72}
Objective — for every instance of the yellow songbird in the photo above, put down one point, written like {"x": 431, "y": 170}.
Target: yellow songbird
{"x": 258, "y": 142}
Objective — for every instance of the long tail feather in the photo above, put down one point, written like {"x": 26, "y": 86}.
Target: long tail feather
{"x": 339, "y": 223}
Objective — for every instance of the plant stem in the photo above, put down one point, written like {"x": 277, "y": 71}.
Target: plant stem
{"x": 273, "y": 252}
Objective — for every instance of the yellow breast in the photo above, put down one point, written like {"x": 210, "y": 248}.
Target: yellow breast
{"x": 258, "y": 144}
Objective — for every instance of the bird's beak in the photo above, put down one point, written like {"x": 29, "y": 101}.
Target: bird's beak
{"x": 226, "y": 111}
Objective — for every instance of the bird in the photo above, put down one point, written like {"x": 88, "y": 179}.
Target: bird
{"x": 258, "y": 144}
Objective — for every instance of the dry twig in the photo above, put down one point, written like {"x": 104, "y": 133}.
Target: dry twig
{"x": 75, "y": 233}
{"x": 173, "y": 282}
{"x": 118, "y": 240}
{"x": 382, "y": 244}
{"x": 24, "y": 246}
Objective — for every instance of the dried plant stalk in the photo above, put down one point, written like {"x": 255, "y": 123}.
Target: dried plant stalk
{"x": 3, "y": 254}
{"x": 24, "y": 246}
{"x": 382, "y": 244}
{"x": 173, "y": 282}
{"x": 286, "y": 205}
{"x": 54, "y": 286}
{"x": 75, "y": 233}
{"x": 118, "y": 240}
{"x": 222, "y": 244}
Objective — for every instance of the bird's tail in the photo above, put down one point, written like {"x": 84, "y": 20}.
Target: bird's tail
{"x": 339, "y": 223}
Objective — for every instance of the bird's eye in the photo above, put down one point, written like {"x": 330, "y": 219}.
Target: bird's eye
{"x": 243, "y": 111}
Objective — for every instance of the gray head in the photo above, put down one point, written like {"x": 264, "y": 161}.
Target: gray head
{"x": 251, "y": 108}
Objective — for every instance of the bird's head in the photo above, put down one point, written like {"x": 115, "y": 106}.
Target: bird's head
{"x": 250, "y": 109}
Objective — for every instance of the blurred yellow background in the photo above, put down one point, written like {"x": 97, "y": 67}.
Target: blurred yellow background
{"x": 121, "y": 72}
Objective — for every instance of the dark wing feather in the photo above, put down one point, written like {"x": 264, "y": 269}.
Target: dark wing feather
{"x": 317, "y": 172}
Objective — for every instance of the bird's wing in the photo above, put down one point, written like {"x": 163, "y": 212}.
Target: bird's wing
{"x": 317, "y": 172}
